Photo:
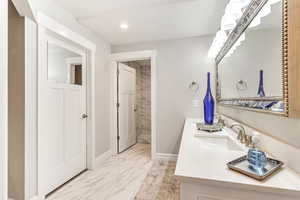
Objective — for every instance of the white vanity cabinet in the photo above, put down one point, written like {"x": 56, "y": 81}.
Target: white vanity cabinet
{"x": 202, "y": 191}
{"x": 203, "y": 174}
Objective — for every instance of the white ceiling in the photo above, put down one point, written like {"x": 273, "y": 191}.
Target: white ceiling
{"x": 148, "y": 20}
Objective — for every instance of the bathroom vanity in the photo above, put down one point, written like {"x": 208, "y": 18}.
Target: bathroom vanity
{"x": 203, "y": 174}
{"x": 257, "y": 71}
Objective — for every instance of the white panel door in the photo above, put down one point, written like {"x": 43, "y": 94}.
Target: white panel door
{"x": 126, "y": 113}
{"x": 61, "y": 120}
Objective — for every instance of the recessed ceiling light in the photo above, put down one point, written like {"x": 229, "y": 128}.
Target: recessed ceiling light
{"x": 124, "y": 26}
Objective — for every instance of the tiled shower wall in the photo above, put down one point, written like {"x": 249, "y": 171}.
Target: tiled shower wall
{"x": 143, "y": 99}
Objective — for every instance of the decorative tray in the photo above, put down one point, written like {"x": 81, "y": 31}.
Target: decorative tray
{"x": 241, "y": 165}
{"x": 209, "y": 128}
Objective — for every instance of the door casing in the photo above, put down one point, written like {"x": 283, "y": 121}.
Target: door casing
{"x": 125, "y": 57}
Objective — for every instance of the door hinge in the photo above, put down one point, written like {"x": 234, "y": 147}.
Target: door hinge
{"x": 118, "y": 137}
{"x": 118, "y": 105}
{"x": 118, "y": 72}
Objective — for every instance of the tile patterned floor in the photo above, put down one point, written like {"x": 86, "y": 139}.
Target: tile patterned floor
{"x": 160, "y": 183}
{"x": 119, "y": 178}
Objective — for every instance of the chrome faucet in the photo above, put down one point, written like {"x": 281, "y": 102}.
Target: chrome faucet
{"x": 242, "y": 137}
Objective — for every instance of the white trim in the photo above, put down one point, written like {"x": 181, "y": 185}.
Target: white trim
{"x": 102, "y": 158}
{"x": 30, "y": 106}
{"x": 3, "y": 97}
{"x": 45, "y": 23}
{"x": 37, "y": 198}
{"x": 64, "y": 31}
{"x": 91, "y": 107}
{"x": 74, "y": 61}
{"x": 167, "y": 157}
{"x": 64, "y": 45}
{"x": 133, "y": 55}
{"x": 130, "y": 56}
{"x": 24, "y": 8}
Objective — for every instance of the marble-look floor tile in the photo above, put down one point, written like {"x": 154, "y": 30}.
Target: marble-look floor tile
{"x": 119, "y": 178}
{"x": 160, "y": 183}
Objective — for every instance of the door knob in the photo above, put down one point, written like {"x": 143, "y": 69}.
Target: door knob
{"x": 84, "y": 116}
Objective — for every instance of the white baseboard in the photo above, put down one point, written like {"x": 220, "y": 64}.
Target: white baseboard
{"x": 165, "y": 156}
{"x": 37, "y": 198}
{"x": 100, "y": 159}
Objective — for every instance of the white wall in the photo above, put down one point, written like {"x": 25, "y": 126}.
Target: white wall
{"x": 179, "y": 62}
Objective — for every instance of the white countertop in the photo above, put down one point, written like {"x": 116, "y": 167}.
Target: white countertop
{"x": 206, "y": 165}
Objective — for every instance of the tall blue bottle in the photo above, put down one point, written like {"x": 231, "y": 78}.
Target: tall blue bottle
{"x": 209, "y": 104}
{"x": 261, "y": 91}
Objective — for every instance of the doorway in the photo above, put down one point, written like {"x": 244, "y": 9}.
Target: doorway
{"x": 134, "y": 103}
{"x": 62, "y": 118}
{"x": 138, "y": 100}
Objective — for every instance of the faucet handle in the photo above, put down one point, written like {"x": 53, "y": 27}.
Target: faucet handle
{"x": 248, "y": 140}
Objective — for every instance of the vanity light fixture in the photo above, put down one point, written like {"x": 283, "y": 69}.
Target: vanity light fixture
{"x": 266, "y": 10}
{"x": 217, "y": 44}
{"x": 233, "y": 13}
{"x": 236, "y": 45}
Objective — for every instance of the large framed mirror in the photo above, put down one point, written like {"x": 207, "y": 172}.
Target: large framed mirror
{"x": 251, "y": 71}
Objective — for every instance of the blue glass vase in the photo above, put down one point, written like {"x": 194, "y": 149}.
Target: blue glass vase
{"x": 209, "y": 104}
{"x": 261, "y": 91}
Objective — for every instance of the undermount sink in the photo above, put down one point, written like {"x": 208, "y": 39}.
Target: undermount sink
{"x": 219, "y": 142}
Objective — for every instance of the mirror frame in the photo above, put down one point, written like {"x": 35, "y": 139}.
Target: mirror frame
{"x": 249, "y": 14}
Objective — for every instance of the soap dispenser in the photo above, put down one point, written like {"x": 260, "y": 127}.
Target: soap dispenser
{"x": 257, "y": 159}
